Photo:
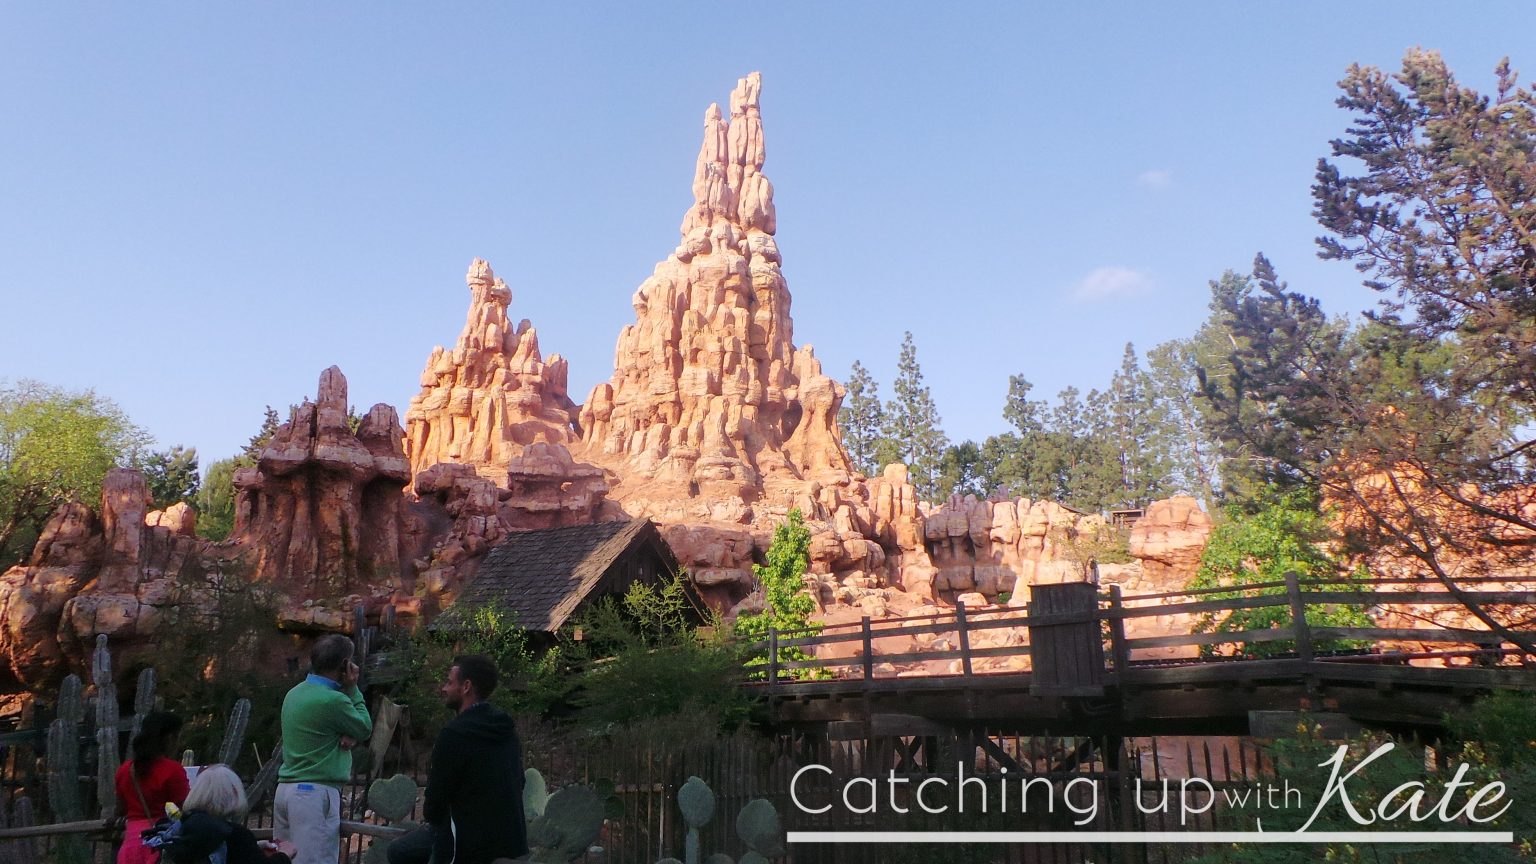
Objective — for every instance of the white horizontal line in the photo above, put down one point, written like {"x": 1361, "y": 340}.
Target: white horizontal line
{"x": 1150, "y": 837}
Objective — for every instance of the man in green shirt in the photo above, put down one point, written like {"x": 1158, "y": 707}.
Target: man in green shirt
{"x": 323, "y": 717}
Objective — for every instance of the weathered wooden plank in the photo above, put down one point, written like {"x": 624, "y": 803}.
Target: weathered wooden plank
{"x": 1273, "y": 634}
{"x": 1283, "y": 724}
{"x": 1415, "y": 634}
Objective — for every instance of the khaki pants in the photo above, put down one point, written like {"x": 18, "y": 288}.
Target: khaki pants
{"x": 308, "y": 815}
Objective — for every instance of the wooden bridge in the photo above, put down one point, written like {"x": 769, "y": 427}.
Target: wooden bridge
{"x": 1075, "y": 672}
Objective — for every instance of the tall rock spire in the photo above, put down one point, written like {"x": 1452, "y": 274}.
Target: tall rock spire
{"x": 708, "y": 389}
{"x": 490, "y": 396}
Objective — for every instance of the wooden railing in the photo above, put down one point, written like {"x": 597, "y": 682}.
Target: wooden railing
{"x": 1110, "y": 611}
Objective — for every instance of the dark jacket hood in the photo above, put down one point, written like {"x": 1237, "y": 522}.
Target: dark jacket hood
{"x": 483, "y": 722}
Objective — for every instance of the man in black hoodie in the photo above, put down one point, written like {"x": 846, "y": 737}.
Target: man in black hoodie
{"x": 474, "y": 800}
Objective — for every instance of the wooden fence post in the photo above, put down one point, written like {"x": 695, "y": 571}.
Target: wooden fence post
{"x": 1119, "y": 649}
{"x": 965, "y": 638}
{"x": 869, "y": 651}
{"x": 1299, "y": 617}
{"x": 773, "y": 657}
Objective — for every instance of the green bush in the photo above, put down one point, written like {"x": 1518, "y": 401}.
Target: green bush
{"x": 530, "y": 677}
{"x": 1278, "y": 534}
{"x": 1302, "y": 761}
{"x": 644, "y": 659}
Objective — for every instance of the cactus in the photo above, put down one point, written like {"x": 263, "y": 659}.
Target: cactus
{"x": 571, "y": 821}
{"x": 144, "y": 696}
{"x": 23, "y": 851}
{"x": 64, "y": 772}
{"x": 697, "y": 802}
{"x": 535, "y": 794}
{"x": 234, "y": 732}
{"x": 107, "y": 761}
{"x": 758, "y": 826}
{"x": 107, "y": 737}
{"x": 64, "y": 753}
{"x": 393, "y": 799}
{"x": 719, "y": 858}
{"x": 71, "y": 705}
{"x": 266, "y": 779}
{"x": 101, "y": 662}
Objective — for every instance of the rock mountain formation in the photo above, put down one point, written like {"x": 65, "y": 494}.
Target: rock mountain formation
{"x": 713, "y": 423}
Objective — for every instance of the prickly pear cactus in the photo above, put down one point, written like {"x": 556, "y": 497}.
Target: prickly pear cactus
{"x": 571, "y": 821}
{"x": 758, "y": 826}
{"x": 719, "y": 858}
{"x": 393, "y": 799}
{"x": 535, "y": 794}
{"x": 697, "y": 801}
{"x": 234, "y": 732}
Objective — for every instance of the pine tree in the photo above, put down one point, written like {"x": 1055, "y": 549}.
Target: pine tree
{"x": 913, "y": 426}
{"x": 252, "y": 450}
{"x": 171, "y": 475}
{"x": 861, "y": 419}
{"x": 1173, "y": 386}
{"x": 1136, "y": 430}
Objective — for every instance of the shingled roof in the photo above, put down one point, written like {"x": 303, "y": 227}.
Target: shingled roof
{"x": 543, "y": 576}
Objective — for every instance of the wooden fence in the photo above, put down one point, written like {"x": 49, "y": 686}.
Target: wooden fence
{"x": 1053, "y": 627}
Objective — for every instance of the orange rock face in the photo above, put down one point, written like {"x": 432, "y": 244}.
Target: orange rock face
{"x": 101, "y": 570}
{"x": 490, "y": 396}
{"x": 322, "y": 509}
{"x": 1168, "y": 540}
{"x": 713, "y": 423}
{"x": 708, "y": 392}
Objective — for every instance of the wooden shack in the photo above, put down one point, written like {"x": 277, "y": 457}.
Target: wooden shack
{"x": 545, "y": 577}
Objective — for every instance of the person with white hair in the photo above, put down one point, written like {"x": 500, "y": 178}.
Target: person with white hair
{"x": 213, "y": 824}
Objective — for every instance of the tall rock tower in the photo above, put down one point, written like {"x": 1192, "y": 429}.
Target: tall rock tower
{"x": 709, "y": 395}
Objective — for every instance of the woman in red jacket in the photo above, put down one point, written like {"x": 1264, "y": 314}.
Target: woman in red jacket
{"x": 147, "y": 782}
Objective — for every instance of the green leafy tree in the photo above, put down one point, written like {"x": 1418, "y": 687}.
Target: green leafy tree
{"x": 55, "y": 446}
{"x": 216, "y": 501}
{"x": 966, "y": 469}
{"x": 861, "y": 419}
{"x": 216, "y": 495}
{"x": 646, "y": 660}
{"x": 171, "y": 475}
{"x": 913, "y": 426}
{"x": 786, "y": 605}
{"x": 1283, "y": 533}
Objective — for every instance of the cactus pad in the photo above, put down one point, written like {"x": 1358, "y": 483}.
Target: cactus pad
{"x": 758, "y": 826}
{"x": 697, "y": 801}
{"x": 393, "y": 799}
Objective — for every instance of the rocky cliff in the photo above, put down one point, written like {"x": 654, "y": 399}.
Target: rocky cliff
{"x": 713, "y": 423}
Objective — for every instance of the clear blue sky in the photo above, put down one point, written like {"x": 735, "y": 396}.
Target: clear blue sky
{"x": 206, "y": 204}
